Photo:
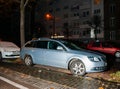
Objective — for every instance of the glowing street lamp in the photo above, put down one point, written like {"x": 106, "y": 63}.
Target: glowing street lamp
{"x": 50, "y": 17}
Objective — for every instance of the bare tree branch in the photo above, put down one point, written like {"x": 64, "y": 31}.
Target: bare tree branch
{"x": 26, "y": 3}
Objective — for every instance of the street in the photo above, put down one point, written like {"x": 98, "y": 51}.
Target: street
{"x": 5, "y": 85}
{"x": 11, "y": 83}
{"x": 38, "y": 76}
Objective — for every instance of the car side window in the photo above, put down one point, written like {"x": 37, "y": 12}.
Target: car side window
{"x": 106, "y": 45}
{"x": 41, "y": 44}
{"x": 30, "y": 44}
{"x": 53, "y": 45}
{"x": 96, "y": 44}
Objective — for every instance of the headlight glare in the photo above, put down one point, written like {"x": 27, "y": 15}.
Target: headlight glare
{"x": 95, "y": 59}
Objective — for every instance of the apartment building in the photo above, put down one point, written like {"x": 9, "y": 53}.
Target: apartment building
{"x": 68, "y": 18}
{"x": 112, "y": 19}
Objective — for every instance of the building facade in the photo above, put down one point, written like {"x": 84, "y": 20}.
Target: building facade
{"x": 68, "y": 18}
{"x": 112, "y": 19}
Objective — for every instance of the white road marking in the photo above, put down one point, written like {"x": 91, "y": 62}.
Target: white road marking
{"x": 13, "y": 83}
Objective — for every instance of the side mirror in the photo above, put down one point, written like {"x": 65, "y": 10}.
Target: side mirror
{"x": 60, "y": 48}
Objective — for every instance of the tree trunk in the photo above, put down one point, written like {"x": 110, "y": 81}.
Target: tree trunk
{"x": 22, "y": 21}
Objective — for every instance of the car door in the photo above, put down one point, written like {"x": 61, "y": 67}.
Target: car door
{"x": 96, "y": 46}
{"x": 107, "y": 48}
{"x": 55, "y": 57}
{"x": 39, "y": 52}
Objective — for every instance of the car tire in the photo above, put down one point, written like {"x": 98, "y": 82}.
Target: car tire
{"x": 117, "y": 54}
{"x": 77, "y": 68}
{"x": 28, "y": 60}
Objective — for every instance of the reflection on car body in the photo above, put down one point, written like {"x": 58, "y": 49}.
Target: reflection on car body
{"x": 62, "y": 54}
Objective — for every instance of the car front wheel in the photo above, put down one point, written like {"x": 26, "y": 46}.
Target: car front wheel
{"x": 77, "y": 68}
{"x": 117, "y": 54}
{"x": 28, "y": 60}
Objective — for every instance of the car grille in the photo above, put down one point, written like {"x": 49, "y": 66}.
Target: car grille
{"x": 100, "y": 68}
{"x": 12, "y": 55}
{"x": 15, "y": 52}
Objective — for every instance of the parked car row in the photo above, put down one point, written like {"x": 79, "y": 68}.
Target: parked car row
{"x": 75, "y": 56}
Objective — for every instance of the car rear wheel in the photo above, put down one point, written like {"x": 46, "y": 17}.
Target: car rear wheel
{"x": 28, "y": 60}
{"x": 117, "y": 54}
{"x": 77, "y": 68}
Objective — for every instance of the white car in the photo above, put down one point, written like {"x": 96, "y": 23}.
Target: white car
{"x": 9, "y": 50}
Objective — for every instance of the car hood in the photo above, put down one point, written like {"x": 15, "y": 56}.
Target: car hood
{"x": 87, "y": 52}
{"x": 10, "y": 49}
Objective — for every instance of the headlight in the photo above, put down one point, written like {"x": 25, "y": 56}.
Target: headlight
{"x": 95, "y": 59}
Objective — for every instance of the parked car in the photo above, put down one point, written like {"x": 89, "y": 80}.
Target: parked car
{"x": 9, "y": 50}
{"x": 62, "y": 54}
{"x": 107, "y": 47}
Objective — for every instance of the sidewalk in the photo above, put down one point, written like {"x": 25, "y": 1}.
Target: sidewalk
{"x": 42, "y": 78}
{"x": 35, "y": 82}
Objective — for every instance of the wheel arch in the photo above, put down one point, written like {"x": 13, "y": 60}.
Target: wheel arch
{"x": 32, "y": 62}
{"x": 79, "y": 67}
{"x": 27, "y": 55}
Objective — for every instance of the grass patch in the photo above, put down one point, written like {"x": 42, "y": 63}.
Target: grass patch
{"x": 115, "y": 76}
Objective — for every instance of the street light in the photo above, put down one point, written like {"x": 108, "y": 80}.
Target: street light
{"x": 51, "y": 17}
{"x": 48, "y": 16}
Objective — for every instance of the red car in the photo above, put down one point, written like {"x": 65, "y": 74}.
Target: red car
{"x": 105, "y": 47}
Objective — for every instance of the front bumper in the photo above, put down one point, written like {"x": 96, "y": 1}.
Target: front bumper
{"x": 10, "y": 55}
{"x": 98, "y": 69}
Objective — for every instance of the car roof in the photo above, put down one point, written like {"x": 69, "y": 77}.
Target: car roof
{"x": 47, "y": 39}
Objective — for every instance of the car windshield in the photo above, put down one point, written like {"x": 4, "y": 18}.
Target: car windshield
{"x": 71, "y": 45}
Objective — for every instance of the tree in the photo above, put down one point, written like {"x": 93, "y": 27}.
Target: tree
{"x": 95, "y": 23}
{"x": 7, "y": 7}
{"x": 23, "y": 4}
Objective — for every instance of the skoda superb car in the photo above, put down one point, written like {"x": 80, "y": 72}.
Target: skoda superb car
{"x": 62, "y": 54}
